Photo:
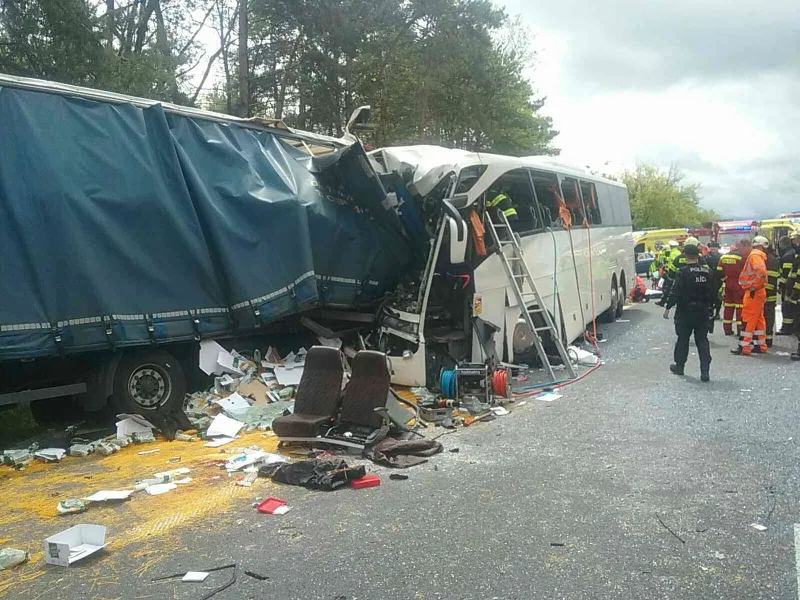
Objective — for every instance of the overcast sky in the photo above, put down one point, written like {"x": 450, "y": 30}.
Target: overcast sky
{"x": 712, "y": 86}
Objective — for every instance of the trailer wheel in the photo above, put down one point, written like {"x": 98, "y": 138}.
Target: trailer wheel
{"x": 149, "y": 381}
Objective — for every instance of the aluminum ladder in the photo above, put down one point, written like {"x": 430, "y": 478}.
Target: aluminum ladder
{"x": 523, "y": 298}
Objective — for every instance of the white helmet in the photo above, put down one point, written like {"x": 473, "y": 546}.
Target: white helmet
{"x": 673, "y": 244}
{"x": 760, "y": 240}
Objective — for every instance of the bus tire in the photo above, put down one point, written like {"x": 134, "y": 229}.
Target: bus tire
{"x": 622, "y": 294}
{"x": 148, "y": 382}
{"x": 610, "y": 314}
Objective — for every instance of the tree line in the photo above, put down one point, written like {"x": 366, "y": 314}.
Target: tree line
{"x": 660, "y": 198}
{"x": 448, "y": 72}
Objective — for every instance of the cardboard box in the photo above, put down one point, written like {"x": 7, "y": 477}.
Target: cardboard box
{"x": 74, "y": 544}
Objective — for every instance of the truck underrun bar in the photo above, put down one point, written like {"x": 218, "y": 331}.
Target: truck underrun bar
{"x": 42, "y": 393}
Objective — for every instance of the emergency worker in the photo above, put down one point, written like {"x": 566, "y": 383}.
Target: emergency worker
{"x": 672, "y": 254}
{"x": 753, "y": 280}
{"x": 677, "y": 262}
{"x": 788, "y": 308}
{"x": 694, "y": 294}
{"x": 793, "y": 291}
{"x": 712, "y": 260}
{"x": 773, "y": 274}
{"x": 728, "y": 271}
{"x": 501, "y": 203}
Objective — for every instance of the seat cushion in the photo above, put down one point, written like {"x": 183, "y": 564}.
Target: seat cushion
{"x": 296, "y": 425}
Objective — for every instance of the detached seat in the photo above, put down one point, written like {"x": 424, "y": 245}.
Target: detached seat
{"x": 362, "y": 419}
{"x": 316, "y": 404}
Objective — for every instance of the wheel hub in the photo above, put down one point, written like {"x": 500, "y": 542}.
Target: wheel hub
{"x": 149, "y": 386}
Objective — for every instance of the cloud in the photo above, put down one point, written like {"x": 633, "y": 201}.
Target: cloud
{"x": 710, "y": 86}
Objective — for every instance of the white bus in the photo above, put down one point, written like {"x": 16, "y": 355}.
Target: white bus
{"x": 582, "y": 272}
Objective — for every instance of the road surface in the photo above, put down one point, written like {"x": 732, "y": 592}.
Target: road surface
{"x": 636, "y": 484}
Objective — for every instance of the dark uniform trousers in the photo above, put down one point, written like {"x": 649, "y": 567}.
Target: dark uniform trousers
{"x": 692, "y": 321}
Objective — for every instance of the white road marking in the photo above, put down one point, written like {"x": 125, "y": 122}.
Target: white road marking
{"x": 797, "y": 555}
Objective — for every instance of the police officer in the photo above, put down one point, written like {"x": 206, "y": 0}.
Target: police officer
{"x": 676, "y": 262}
{"x": 694, "y": 294}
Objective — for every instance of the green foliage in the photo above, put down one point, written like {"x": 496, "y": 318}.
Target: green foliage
{"x": 660, "y": 199}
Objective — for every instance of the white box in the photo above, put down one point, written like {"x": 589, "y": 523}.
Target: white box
{"x": 74, "y": 544}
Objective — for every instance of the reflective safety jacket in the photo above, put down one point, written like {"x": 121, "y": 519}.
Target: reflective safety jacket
{"x": 773, "y": 274}
{"x": 678, "y": 262}
{"x": 754, "y": 273}
{"x": 787, "y": 260}
{"x": 793, "y": 281}
{"x": 729, "y": 267}
{"x": 671, "y": 267}
{"x": 503, "y": 204}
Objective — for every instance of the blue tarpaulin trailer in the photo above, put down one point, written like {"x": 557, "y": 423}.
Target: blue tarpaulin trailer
{"x": 125, "y": 223}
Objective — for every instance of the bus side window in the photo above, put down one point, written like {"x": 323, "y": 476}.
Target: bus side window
{"x": 546, "y": 187}
{"x": 572, "y": 197}
{"x": 589, "y": 193}
{"x": 516, "y": 185}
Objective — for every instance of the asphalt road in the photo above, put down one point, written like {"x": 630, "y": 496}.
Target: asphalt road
{"x": 558, "y": 500}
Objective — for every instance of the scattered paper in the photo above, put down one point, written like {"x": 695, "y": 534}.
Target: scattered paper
{"x": 235, "y": 403}
{"x": 160, "y": 488}
{"x": 220, "y": 441}
{"x": 209, "y": 352}
{"x": 227, "y": 362}
{"x": 181, "y": 471}
{"x": 281, "y": 510}
{"x": 51, "y": 454}
{"x": 224, "y": 426}
{"x": 184, "y": 481}
{"x": 523, "y": 403}
{"x": 549, "y": 396}
{"x": 289, "y": 375}
{"x": 104, "y": 495}
{"x": 149, "y": 451}
{"x": 195, "y": 576}
{"x": 251, "y": 457}
{"x": 500, "y": 411}
{"x": 781, "y": 353}
{"x": 227, "y": 380}
{"x": 623, "y": 321}
{"x": 745, "y": 390}
{"x": 330, "y": 342}
{"x": 128, "y": 426}
{"x": 719, "y": 555}
{"x": 758, "y": 526}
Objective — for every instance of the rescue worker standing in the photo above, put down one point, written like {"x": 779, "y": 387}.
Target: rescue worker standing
{"x": 788, "y": 308}
{"x": 753, "y": 280}
{"x": 793, "y": 292}
{"x": 712, "y": 260}
{"x": 677, "y": 262}
{"x": 773, "y": 274}
{"x": 694, "y": 295}
{"x": 728, "y": 271}
{"x": 672, "y": 255}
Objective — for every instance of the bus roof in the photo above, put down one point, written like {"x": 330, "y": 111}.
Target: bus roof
{"x": 430, "y": 164}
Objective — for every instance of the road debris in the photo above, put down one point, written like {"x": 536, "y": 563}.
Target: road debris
{"x": 11, "y": 557}
{"x": 195, "y": 576}
{"x": 677, "y": 537}
{"x": 144, "y": 452}
{"x": 758, "y": 526}
{"x": 270, "y": 505}
{"x": 74, "y": 544}
{"x": 71, "y": 507}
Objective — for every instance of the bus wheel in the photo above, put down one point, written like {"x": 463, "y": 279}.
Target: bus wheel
{"x": 148, "y": 382}
{"x": 621, "y": 296}
{"x": 608, "y": 316}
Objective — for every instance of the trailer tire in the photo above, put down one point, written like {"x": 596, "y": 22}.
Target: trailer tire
{"x": 149, "y": 382}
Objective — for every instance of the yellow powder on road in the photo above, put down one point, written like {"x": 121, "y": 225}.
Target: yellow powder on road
{"x": 30, "y": 497}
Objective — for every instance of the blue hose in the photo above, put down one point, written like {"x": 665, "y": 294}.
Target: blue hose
{"x": 447, "y": 383}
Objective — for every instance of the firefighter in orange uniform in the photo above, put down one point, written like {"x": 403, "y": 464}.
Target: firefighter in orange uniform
{"x": 728, "y": 269}
{"x": 753, "y": 280}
